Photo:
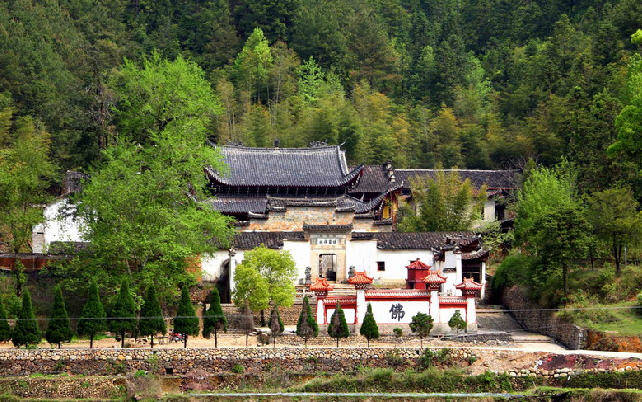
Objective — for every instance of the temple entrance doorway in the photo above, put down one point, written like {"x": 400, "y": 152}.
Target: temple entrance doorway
{"x": 328, "y": 266}
{"x": 223, "y": 283}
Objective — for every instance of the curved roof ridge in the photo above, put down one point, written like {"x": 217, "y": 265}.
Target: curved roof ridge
{"x": 264, "y": 149}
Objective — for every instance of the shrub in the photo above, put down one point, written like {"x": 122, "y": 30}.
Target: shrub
{"x": 26, "y": 330}
{"x": 394, "y": 359}
{"x": 238, "y": 368}
{"x": 398, "y": 332}
{"x": 514, "y": 270}
{"x": 338, "y": 327}
{"x": 639, "y": 309}
{"x": 457, "y": 323}
{"x": 369, "y": 328}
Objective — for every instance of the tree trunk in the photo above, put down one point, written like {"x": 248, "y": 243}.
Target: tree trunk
{"x": 59, "y": 345}
{"x": 151, "y": 342}
{"x": 262, "y": 318}
{"x": 215, "y": 338}
{"x": 421, "y": 342}
{"x": 305, "y": 342}
{"x": 91, "y": 341}
{"x": 122, "y": 339}
{"x": 274, "y": 342}
{"x": 618, "y": 260}
{"x": 368, "y": 341}
{"x": 565, "y": 279}
{"x": 337, "y": 342}
{"x": 185, "y": 341}
{"x": 247, "y": 335}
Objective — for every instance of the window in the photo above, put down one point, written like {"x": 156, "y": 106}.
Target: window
{"x": 381, "y": 265}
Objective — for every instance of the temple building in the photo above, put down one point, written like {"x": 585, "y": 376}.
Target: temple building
{"x": 336, "y": 220}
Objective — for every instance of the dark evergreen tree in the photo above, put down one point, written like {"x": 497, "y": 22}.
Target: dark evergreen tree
{"x": 5, "y": 329}
{"x": 186, "y": 321}
{"x": 151, "y": 321}
{"x": 369, "y": 327}
{"x": 246, "y": 320}
{"x": 92, "y": 319}
{"x": 213, "y": 318}
{"x": 421, "y": 324}
{"x": 26, "y": 331}
{"x": 58, "y": 330}
{"x": 122, "y": 316}
{"x": 276, "y": 325}
{"x": 307, "y": 326}
{"x": 338, "y": 327}
{"x": 456, "y": 322}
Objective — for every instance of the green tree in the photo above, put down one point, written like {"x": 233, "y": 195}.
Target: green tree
{"x": 616, "y": 220}
{"x": 445, "y": 203}
{"x": 26, "y": 331}
{"x": 369, "y": 328}
{"x": 421, "y": 324}
{"x": 306, "y": 326}
{"x": 92, "y": 319}
{"x": 543, "y": 192}
{"x": 151, "y": 321}
{"x": 252, "y": 65}
{"x": 5, "y": 329}
{"x": 456, "y": 323}
{"x": 151, "y": 181}
{"x": 338, "y": 327}
{"x": 122, "y": 314}
{"x": 276, "y": 325}
{"x": 629, "y": 122}
{"x": 25, "y": 175}
{"x": 265, "y": 277}
{"x": 58, "y": 330}
{"x": 559, "y": 239}
{"x": 186, "y": 321}
{"x": 213, "y": 318}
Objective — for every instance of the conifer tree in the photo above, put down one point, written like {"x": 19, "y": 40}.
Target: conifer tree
{"x": 457, "y": 323}
{"x": 26, "y": 331}
{"x": 122, "y": 317}
{"x": 276, "y": 325}
{"x": 58, "y": 330}
{"x": 338, "y": 327}
{"x": 421, "y": 324}
{"x": 246, "y": 320}
{"x": 92, "y": 319}
{"x": 213, "y": 318}
{"x": 151, "y": 320}
{"x": 5, "y": 329}
{"x": 186, "y": 321}
{"x": 307, "y": 326}
{"x": 369, "y": 327}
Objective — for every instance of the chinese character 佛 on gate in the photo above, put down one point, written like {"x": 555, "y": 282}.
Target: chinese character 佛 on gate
{"x": 396, "y": 312}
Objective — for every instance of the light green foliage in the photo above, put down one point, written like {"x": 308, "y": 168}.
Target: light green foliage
{"x": 25, "y": 173}
{"x": 545, "y": 191}
{"x": 92, "y": 319}
{"x": 456, "y": 322}
{"x": 338, "y": 327}
{"x": 122, "y": 314}
{"x": 213, "y": 318}
{"x": 141, "y": 203}
{"x": 616, "y": 220}
{"x": 186, "y": 321}
{"x": 252, "y": 64}
{"x": 306, "y": 326}
{"x": 26, "y": 331}
{"x": 421, "y": 324}
{"x": 445, "y": 204}
{"x": 265, "y": 277}
{"x": 58, "y": 329}
{"x": 151, "y": 321}
{"x": 369, "y": 328}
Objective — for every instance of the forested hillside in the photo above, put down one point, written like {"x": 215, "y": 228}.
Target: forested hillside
{"x": 467, "y": 83}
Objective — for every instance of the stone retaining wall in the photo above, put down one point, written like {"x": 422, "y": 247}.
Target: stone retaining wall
{"x": 19, "y": 362}
{"x": 531, "y": 317}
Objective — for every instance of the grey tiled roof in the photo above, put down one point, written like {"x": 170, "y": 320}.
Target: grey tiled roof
{"x": 323, "y": 166}
{"x": 491, "y": 178}
{"x": 415, "y": 241}
{"x": 250, "y": 240}
{"x": 239, "y": 205}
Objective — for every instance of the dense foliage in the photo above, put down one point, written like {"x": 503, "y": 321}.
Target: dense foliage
{"x": 186, "y": 321}
{"x": 306, "y": 326}
{"x": 369, "y": 328}
{"x": 26, "y": 331}
{"x": 58, "y": 329}
{"x": 93, "y": 318}
{"x": 151, "y": 321}
{"x": 213, "y": 318}
{"x": 338, "y": 327}
{"x": 475, "y": 84}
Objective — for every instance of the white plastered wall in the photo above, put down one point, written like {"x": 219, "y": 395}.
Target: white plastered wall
{"x": 59, "y": 224}
{"x": 300, "y": 252}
